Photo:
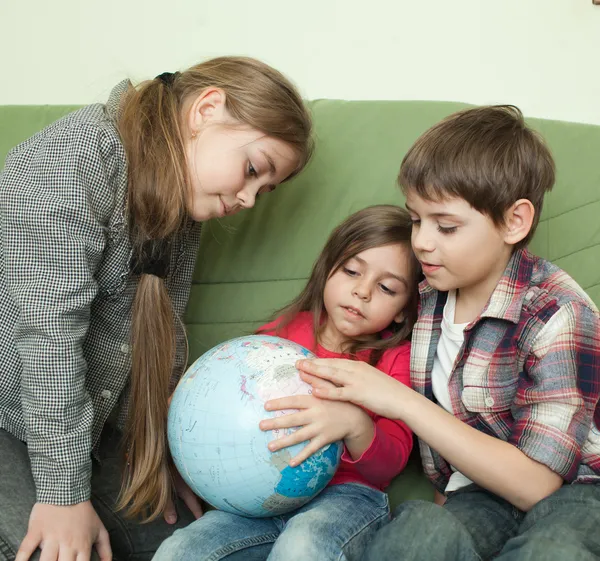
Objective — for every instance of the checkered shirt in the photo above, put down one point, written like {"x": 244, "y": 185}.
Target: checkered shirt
{"x": 66, "y": 293}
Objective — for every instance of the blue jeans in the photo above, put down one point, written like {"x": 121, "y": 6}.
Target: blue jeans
{"x": 476, "y": 525}
{"x": 337, "y": 524}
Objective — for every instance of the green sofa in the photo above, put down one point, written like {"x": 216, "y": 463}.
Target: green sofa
{"x": 252, "y": 264}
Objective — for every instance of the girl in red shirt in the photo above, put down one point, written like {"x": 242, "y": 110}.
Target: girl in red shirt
{"x": 360, "y": 302}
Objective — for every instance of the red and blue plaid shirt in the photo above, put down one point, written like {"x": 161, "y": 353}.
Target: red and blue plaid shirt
{"x": 528, "y": 371}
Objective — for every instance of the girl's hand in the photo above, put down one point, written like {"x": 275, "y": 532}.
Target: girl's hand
{"x": 321, "y": 423}
{"x": 65, "y": 532}
{"x": 186, "y": 494}
{"x": 356, "y": 382}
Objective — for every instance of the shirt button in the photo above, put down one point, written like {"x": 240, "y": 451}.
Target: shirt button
{"x": 124, "y": 348}
{"x": 106, "y": 394}
{"x": 489, "y": 401}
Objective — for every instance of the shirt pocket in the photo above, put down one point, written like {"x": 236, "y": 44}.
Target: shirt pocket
{"x": 489, "y": 399}
{"x": 114, "y": 271}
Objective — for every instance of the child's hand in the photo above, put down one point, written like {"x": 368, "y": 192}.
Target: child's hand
{"x": 356, "y": 382}
{"x": 184, "y": 492}
{"x": 65, "y": 532}
{"x": 321, "y": 422}
{"x": 186, "y": 495}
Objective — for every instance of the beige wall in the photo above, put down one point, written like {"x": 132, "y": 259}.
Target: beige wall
{"x": 543, "y": 55}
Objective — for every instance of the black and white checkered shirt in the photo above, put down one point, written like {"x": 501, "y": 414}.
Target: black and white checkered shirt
{"x": 66, "y": 293}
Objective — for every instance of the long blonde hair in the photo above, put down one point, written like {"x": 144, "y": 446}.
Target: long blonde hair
{"x": 150, "y": 125}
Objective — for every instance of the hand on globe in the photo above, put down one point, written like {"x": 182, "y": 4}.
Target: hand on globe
{"x": 352, "y": 381}
{"x": 322, "y": 422}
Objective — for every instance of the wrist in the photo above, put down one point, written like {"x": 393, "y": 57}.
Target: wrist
{"x": 362, "y": 426}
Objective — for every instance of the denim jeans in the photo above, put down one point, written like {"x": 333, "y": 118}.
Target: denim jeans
{"x": 337, "y": 524}
{"x": 476, "y": 525}
{"x": 129, "y": 540}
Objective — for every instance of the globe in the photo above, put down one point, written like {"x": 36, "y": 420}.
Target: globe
{"x": 214, "y": 437}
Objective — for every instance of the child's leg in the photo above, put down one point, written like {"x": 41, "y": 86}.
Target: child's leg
{"x": 562, "y": 527}
{"x": 472, "y": 525}
{"x": 336, "y": 525}
{"x": 17, "y": 495}
{"x": 221, "y": 535}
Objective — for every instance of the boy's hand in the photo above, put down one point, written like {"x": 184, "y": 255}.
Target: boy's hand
{"x": 65, "y": 532}
{"x": 357, "y": 382}
{"x": 321, "y": 422}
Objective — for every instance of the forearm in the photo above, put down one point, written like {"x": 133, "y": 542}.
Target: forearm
{"x": 490, "y": 462}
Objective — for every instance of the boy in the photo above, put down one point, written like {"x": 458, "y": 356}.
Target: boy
{"x": 505, "y": 359}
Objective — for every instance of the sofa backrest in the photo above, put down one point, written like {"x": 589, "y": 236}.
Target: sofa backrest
{"x": 252, "y": 264}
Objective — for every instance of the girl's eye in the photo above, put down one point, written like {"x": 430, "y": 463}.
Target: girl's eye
{"x": 415, "y": 221}
{"x": 251, "y": 171}
{"x": 387, "y": 290}
{"x": 447, "y": 230}
{"x": 350, "y": 272}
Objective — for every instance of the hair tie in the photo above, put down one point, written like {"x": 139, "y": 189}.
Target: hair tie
{"x": 167, "y": 78}
{"x": 153, "y": 257}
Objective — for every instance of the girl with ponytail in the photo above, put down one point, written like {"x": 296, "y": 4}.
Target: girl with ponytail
{"x": 99, "y": 229}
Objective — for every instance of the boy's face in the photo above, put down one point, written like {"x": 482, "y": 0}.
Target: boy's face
{"x": 459, "y": 247}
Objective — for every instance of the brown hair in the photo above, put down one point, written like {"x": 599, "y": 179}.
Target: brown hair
{"x": 374, "y": 226}
{"x": 150, "y": 125}
{"x": 487, "y": 156}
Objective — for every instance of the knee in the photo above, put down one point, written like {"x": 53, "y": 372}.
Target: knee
{"x": 186, "y": 544}
{"x": 551, "y": 542}
{"x": 421, "y": 515}
{"x": 304, "y": 537}
{"x": 417, "y": 530}
{"x": 174, "y": 547}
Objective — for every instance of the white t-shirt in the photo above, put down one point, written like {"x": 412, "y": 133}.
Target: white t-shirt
{"x": 451, "y": 340}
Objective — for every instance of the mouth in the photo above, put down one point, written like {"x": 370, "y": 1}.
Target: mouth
{"x": 225, "y": 210}
{"x": 353, "y": 312}
{"x": 429, "y": 267}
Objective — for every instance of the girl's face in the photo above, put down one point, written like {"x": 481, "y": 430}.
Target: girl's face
{"x": 230, "y": 164}
{"x": 366, "y": 294}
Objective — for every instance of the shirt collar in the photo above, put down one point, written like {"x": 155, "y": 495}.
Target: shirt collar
{"x": 114, "y": 103}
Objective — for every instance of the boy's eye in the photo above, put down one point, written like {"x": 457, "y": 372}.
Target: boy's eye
{"x": 387, "y": 290}
{"x": 447, "y": 230}
{"x": 349, "y": 272}
{"x": 415, "y": 221}
{"x": 251, "y": 171}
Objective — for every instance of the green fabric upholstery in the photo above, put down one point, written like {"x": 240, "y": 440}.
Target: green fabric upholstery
{"x": 254, "y": 263}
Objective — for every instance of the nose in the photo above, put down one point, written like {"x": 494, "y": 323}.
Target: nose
{"x": 247, "y": 197}
{"x": 362, "y": 290}
{"x": 421, "y": 240}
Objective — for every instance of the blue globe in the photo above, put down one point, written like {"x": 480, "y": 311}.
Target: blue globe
{"x": 214, "y": 436}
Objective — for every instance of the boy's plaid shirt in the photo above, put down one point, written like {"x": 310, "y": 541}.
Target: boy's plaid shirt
{"x": 528, "y": 371}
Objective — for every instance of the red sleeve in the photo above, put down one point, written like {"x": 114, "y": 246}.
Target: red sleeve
{"x": 390, "y": 448}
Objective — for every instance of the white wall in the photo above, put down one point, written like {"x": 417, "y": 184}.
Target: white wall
{"x": 543, "y": 55}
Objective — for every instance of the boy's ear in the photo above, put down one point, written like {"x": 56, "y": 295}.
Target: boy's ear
{"x": 518, "y": 220}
